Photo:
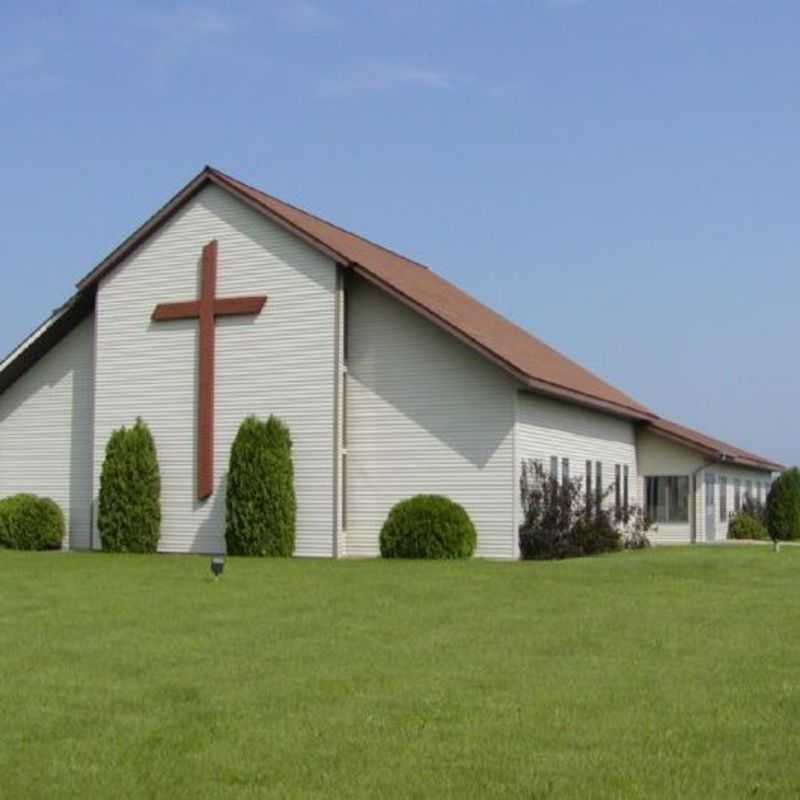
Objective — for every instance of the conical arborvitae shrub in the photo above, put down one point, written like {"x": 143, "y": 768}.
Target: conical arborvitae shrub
{"x": 783, "y": 506}
{"x": 260, "y": 504}
{"x": 129, "y": 513}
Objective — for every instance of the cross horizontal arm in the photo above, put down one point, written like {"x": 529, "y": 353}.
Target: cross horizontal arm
{"x": 167, "y": 311}
{"x": 238, "y": 306}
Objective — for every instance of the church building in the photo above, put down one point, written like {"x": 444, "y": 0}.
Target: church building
{"x": 229, "y": 302}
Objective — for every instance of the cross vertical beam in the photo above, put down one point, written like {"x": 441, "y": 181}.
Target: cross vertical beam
{"x": 206, "y": 310}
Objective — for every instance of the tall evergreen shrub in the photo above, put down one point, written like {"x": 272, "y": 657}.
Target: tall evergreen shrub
{"x": 783, "y": 506}
{"x": 260, "y": 504}
{"x": 129, "y": 513}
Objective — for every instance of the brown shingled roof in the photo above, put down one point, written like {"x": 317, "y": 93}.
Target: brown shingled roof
{"x": 534, "y": 363}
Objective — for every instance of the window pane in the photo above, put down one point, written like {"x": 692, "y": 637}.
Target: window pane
{"x": 598, "y": 484}
{"x": 737, "y": 495}
{"x": 617, "y": 488}
{"x": 679, "y": 499}
{"x": 565, "y": 470}
{"x": 723, "y": 499}
{"x": 625, "y": 487}
{"x": 668, "y": 498}
{"x": 554, "y": 467}
{"x": 588, "y": 484}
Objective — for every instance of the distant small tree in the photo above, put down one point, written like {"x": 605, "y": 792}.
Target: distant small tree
{"x": 260, "y": 503}
{"x": 783, "y": 506}
{"x": 129, "y": 509}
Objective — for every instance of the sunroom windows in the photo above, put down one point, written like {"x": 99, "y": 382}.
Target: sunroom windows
{"x": 668, "y": 498}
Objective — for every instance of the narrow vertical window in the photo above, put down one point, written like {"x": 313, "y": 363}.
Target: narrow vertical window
{"x": 723, "y": 499}
{"x": 618, "y": 490}
{"x": 625, "y": 493}
{"x": 554, "y": 467}
{"x": 748, "y": 490}
{"x": 565, "y": 471}
{"x": 737, "y": 495}
{"x": 598, "y": 484}
{"x": 588, "y": 484}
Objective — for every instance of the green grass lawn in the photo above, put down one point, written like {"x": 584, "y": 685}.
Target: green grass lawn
{"x": 671, "y": 673}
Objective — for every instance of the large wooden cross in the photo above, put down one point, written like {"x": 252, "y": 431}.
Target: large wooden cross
{"x": 206, "y": 309}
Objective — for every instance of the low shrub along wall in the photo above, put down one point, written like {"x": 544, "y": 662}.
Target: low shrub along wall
{"x": 28, "y": 522}
{"x": 428, "y": 526}
{"x": 560, "y": 522}
{"x": 746, "y": 526}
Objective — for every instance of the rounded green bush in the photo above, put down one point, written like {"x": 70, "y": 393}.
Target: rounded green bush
{"x": 260, "y": 503}
{"x": 28, "y": 522}
{"x": 745, "y": 526}
{"x": 428, "y": 526}
{"x": 129, "y": 507}
{"x": 783, "y": 506}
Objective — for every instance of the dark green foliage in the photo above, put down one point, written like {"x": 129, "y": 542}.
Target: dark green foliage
{"x": 783, "y": 506}
{"x": 428, "y": 526}
{"x": 755, "y": 508}
{"x": 746, "y": 526}
{"x": 260, "y": 505}
{"x": 129, "y": 512}
{"x": 560, "y": 524}
{"x": 28, "y": 522}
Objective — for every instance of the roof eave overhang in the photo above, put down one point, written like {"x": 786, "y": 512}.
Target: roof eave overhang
{"x": 717, "y": 456}
{"x": 45, "y": 337}
{"x": 529, "y": 383}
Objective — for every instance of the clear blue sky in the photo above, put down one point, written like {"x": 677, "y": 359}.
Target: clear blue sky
{"x": 619, "y": 177}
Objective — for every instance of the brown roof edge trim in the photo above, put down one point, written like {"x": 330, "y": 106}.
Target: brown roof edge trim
{"x": 149, "y": 226}
{"x": 224, "y": 182}
{"x": 174, "y": 204}
{"x": 56, "y": 327}
{"x": 719, "y": 455}
{"x": 318, "y": 219}
{"x": 544, "y": 387}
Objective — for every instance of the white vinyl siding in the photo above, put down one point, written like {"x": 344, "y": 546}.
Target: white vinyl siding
{"x": 281, "y": 362}
{"x": 425, "y": 414}
{"x": 46, "y": 432}
{"x": 600, "y": 441}
{"x": 660, "y": 457}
